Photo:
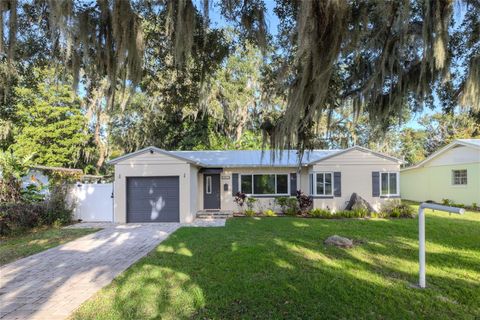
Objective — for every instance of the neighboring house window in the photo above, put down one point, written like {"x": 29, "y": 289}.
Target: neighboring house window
{"x": 208, "y": 185}
{"x": 324, "y": 183}
{"x": 459, "y": 177}
{"x": 264, "y": 184}
{"x": 389, "y": 184}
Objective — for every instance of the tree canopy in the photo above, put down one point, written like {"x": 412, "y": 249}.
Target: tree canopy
{"x": 141, "y": 67}
{"x": 50, "y": 125}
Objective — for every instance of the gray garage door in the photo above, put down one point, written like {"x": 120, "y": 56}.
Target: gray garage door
{"x": 153, "y": 199}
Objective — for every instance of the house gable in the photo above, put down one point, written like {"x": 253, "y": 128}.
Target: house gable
{"x": 457, "y": 155}
{"x": 357, "y": 156}
{"x": 457, "y": 152}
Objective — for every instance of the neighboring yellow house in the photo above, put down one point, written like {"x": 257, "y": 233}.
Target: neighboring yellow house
{"x": 452, "y": 172}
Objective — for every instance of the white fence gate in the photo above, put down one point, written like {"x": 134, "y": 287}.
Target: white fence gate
{"x": 93, "y": 202}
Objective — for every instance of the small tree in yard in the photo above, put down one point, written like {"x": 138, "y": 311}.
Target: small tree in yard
{"x": 50, "y": 121}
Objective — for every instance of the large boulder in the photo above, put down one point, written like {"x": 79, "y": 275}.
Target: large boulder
{"x": 357, "y": 202}
{"x": 338, "y": 241}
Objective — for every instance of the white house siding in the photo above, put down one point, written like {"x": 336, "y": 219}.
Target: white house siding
{"x": 199, "y": 191}
{"x": 151, "y": 165}
{"x": 303, "y": 183}
{"x": 193, "y": 191}
{"x": 227, "y": 197}
{"x": 356, "y": 169}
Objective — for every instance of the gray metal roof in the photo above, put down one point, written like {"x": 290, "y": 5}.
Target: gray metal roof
{"x": 252, "y": 158}
{"x": 249, "y": 158}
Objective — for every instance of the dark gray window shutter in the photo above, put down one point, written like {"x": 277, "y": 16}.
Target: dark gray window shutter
{"x": 375, "y": 184}
{"x": 310, "y": 183}
{"x": 234, "y": 183}
{"x": 293, "y": 184}
{"x": 337, "y": 184}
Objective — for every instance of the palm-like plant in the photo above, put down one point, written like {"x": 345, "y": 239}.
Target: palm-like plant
{"x": 12, "y": 169}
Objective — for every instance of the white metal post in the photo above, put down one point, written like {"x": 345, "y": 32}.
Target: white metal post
{"x": 421, "y": 246}
{"x": 421, "y": 235}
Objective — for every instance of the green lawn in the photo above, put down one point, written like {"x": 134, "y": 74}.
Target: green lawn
{"x": 22, "y": 245}
{"x": 279, "y": 268}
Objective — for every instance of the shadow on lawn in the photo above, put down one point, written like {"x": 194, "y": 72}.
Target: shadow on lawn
{"x": 269, "y": 269}
{"x": 48, "y": 279}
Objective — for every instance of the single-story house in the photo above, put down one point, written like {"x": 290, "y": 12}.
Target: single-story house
{"x": 155, "y": 185}
{"x": 452, "y": 173}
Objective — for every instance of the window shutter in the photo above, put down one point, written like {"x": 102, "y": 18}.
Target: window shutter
{"x": 310, "y": 183}
{"x": 337, "y": 184}
{"x": 375, "y": 184}
{"x": 234, "y": 183}
{"x": 293, "y": 184}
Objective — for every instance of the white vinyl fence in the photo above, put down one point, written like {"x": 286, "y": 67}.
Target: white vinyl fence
{"x": 93, "y": 202}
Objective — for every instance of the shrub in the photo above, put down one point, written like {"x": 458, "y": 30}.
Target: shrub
{"x": 240, "y": 199}
{"x": 447, "y": 202}
{"x": 15, "y": 217}
{"x": 32, "y": 194}
{"x": 269, "y": 213}
{"x": 304, "y": 201}
{"x": 474, "y": 206}
{"x": 342, "y": 214}
{"x": 354, "y": 213}
{"x": 21, "y": 216}
{"x": 282, "y": 202}
{"x": 288, "y": 205}
{"x": 360, "y": 210}
{"x": 321, "y": 213}
{"x": 58, "y": 208}
{"x": 249, "y": 212}
{"x": 377, "y": 214}
{"x": 291, "y": 207}
{"x": 397, "y": 210}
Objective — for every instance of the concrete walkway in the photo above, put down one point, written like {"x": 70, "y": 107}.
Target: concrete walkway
{"x": 53, "y": 283}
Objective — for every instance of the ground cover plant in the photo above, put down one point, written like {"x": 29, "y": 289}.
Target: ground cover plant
{"x": 279, "y": 268}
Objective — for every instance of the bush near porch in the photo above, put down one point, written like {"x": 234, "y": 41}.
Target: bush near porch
{"x": 266, "y": 268}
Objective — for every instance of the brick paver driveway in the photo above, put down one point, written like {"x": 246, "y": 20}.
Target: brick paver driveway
{"x": 53, "y": 283}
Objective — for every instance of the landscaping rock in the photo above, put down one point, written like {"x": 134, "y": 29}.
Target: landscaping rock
{"x": 338, "y": 241}
{"x": 358, "y": 202}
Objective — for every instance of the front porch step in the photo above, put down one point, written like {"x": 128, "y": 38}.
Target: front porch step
{"x": 214, "y": 214}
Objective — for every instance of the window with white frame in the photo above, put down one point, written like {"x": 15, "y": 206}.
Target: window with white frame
{"x": 389, "y": 183}
{"x": 459, "y": 177}
{"x": 208, "y": 185}
{"x": 323, "y": 183}
{"x": 264, "y": 184}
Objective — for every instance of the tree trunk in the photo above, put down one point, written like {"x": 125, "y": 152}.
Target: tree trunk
{"x": 242, "y": 120}
{"x": 100, "y": 145}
